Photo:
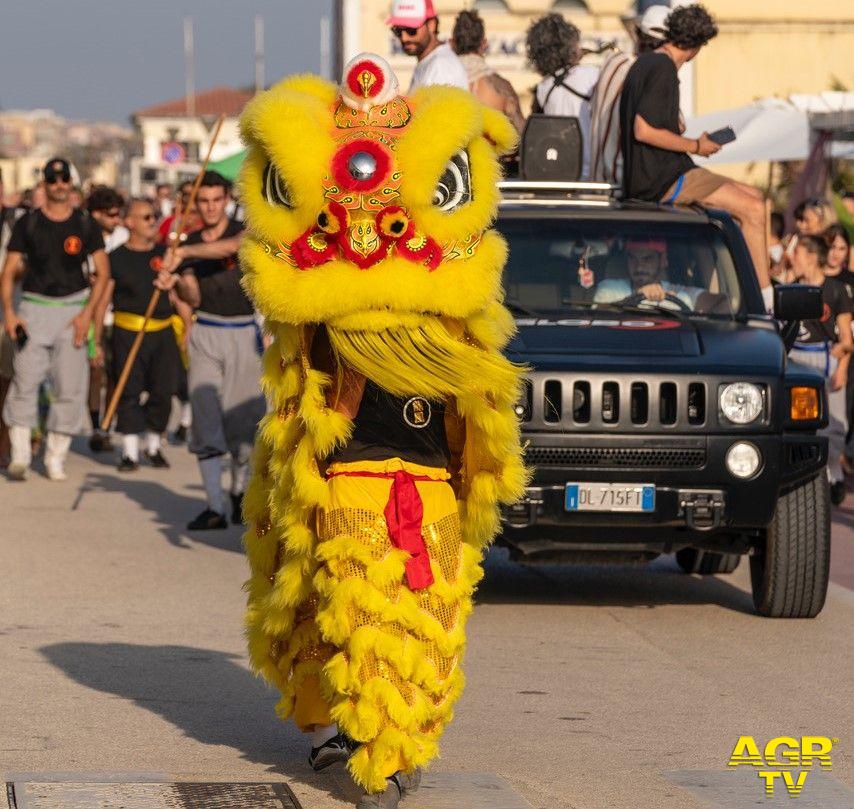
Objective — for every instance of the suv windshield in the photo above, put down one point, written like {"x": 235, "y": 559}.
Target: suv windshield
{"x": 556, "y": 265}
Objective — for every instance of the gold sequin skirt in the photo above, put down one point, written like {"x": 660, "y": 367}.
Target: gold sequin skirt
{"x": 390, "y": 656}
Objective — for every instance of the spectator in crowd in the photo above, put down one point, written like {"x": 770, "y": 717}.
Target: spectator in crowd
{"x": 469, "y": 43}
{"x": 606, "y": 156}
{"x": 553, "y": 48}
{"x": 192, "y": 222}
{"x": 51, "y": 325}
{"x": 657, "y": 166}
{"x": 781, "y": 272}
{"x": 163, "y": 202}
{"x": 848, "y": 203}
{"x": 134, "y": 267}
{"x": 838, "y": 255}
{"x": 415, "y": 24}
{"x": 106, "y": 207}
{"x": 813, "y": 216}
{"x": 826, "y": 345}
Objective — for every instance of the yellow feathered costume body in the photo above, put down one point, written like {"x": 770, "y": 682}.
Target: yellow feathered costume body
{"x": 368, "y": 217}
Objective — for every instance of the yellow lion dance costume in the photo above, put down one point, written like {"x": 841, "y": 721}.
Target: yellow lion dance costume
{"x": 370, "y": 257}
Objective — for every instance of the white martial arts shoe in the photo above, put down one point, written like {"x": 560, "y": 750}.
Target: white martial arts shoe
{"x": 22, "y": 453}
{"x": 55, "y": 453}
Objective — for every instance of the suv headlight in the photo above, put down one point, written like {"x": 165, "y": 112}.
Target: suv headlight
{"x": 741, "y": 402}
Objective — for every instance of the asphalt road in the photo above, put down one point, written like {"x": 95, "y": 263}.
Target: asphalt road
{"x": 122, "y": 655}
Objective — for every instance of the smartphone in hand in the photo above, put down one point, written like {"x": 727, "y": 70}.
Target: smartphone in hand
{"x": 722, "y": 136}
{"x": 21, "y": 336}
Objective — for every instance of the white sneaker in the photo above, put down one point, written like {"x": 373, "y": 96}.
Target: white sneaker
{"x": 17, "y": 470}
{"x": 56, "y": 450}
{"x": 19, "y": 465}
{"x": 55, "y": 470}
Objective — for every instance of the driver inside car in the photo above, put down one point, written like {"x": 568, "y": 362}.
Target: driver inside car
{"x": 646, "y": 262}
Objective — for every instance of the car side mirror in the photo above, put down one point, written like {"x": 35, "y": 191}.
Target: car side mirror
{"x": 794, "y": 303}
{"x": 797, "y": 302}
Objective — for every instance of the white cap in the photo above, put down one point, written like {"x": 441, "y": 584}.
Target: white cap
{"x": 652, "y": 23}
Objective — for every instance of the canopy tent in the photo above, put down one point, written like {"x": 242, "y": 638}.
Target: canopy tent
{"x": 774, "y": 129}
{"x": 228, "y": 167}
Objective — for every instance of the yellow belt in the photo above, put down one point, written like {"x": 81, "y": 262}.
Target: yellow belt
{"x": 131, "y": 322}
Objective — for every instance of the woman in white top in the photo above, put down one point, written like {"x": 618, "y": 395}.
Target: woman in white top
{"x": 554, "y": 50}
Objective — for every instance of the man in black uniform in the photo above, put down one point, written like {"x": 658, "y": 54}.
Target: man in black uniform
{"x": 225, "y": 352}
{"x": 52, "y": 324}
{"x": 135, "y": 265}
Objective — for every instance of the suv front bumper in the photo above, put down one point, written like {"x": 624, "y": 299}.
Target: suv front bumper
{"x": 703, "y": 497}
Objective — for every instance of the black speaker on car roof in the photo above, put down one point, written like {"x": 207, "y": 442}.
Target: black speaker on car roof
{"x": 551, "y": 149}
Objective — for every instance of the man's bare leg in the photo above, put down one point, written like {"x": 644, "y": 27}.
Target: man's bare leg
{"x": 747, "y": 205}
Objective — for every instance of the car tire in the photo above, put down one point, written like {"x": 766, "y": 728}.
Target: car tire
{"x": 706, "y": 563}
{"x": 790, "y": 573}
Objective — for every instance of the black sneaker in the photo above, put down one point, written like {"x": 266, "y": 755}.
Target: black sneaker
{"x": 837, "y": 492}
{"x": 237, "y": 509}
{"x": 127, "y": 465}
{"x": 337, "y": 749}
{"x": 180, "y": 435}
{"x": 100, "y": 442}
{"x": 398, "y": 786}
{"x": 157, "y": 460}
{"x": 208, "y": 520}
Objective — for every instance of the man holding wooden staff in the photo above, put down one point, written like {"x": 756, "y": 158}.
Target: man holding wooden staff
{"x": 225, "y": 352}
{"x": 135, "y": 265}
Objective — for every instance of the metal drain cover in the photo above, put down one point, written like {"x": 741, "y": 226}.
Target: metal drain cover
{"x": 69, "y": 795}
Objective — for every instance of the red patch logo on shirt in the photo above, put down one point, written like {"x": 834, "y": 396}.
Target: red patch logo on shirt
{"x": 825, "y": 314}
{"x": 72, "y": 245}
{"x": 156, "y": 263}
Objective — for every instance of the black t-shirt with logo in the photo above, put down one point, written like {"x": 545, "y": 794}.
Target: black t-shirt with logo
{"x": 836, "y": 301}
{"x": 56, "y": 252}
{"x": 219, "y": 279}
{"x": 133, "y": 272}
{"x": 651, "y": 91}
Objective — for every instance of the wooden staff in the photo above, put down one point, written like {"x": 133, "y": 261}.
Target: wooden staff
{"x": 180, "y": 223}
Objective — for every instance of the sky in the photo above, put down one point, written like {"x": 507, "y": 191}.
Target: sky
{"x": 102, "y": 59}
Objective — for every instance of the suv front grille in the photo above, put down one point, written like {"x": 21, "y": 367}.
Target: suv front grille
{"x": 617, "y": 457}
{"x": 599, "y": 402}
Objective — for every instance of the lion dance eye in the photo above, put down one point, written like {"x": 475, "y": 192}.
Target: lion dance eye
{"x": 275, "y": 189}
{"x": 454, "y": 188}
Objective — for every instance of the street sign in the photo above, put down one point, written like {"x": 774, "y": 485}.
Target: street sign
{"x": 173, "y": 152}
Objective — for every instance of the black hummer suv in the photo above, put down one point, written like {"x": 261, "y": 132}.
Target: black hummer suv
{"x": 660, "y": 412}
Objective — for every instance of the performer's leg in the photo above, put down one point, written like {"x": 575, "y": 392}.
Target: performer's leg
{"x": 130, "y": 416}
{"x": 243, "y": 407}
{"x": 208, "y": 434}
{"x": 160, "y": 383}
{"x": 397, "y": 674}
{"x": 70, "y": 374}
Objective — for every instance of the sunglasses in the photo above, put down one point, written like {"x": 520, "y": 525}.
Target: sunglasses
{"x": 397, "y": 30}
{"x": 149, "y": 217}
{"x": 113, "y": 214}
{"x": 53, "y": 179}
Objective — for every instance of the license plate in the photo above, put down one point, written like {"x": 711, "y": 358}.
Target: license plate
{"x": 610, "y": 497}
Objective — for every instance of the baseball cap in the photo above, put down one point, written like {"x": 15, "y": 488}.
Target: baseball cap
{"x": 57, "y": 167}
{"x": 653, "y": 22}
{"x": 411, "y": 13}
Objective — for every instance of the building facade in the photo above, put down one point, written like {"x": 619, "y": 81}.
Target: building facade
{"x": 175, "y": 136}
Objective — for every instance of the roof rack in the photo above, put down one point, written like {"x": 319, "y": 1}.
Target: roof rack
{"x": 558, "y": 191}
